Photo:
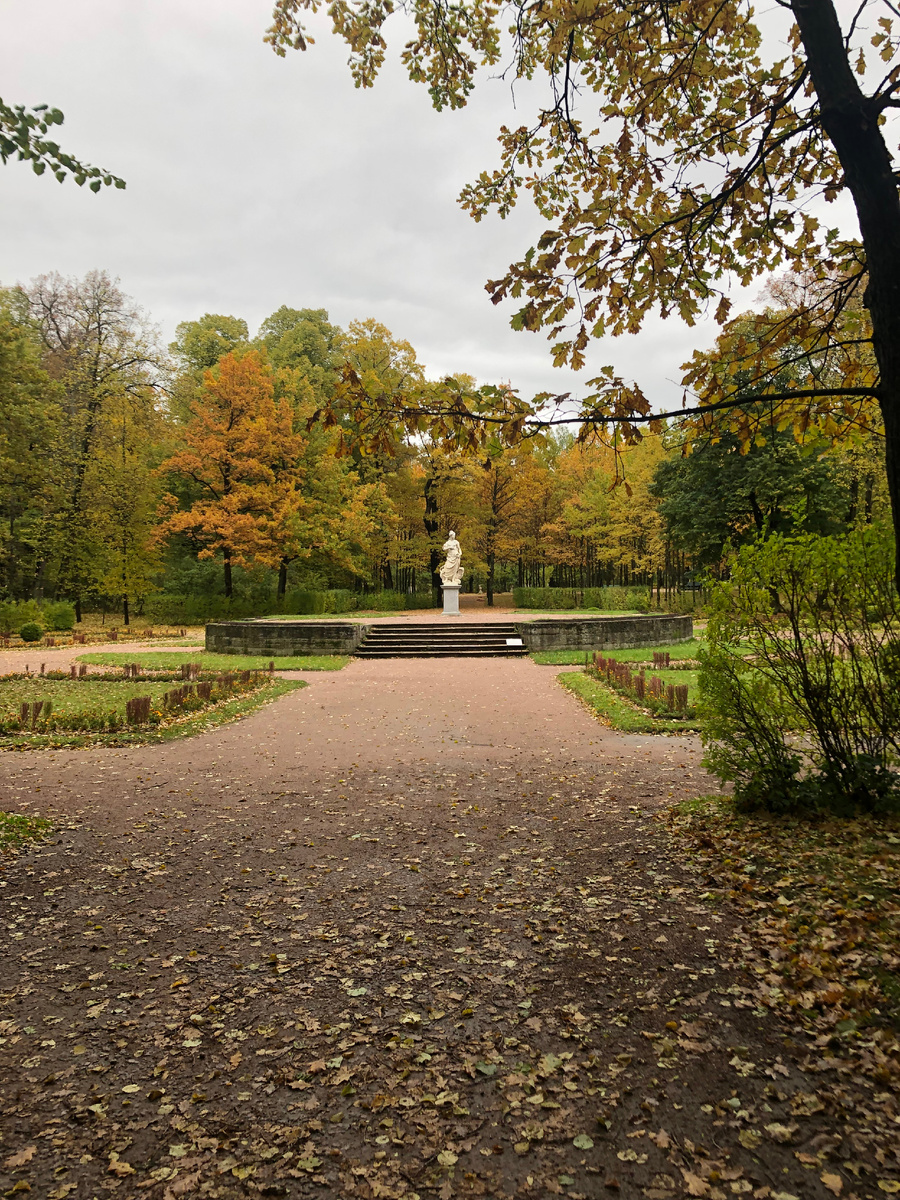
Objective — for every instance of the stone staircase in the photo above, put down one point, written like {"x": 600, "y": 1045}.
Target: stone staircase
{"x": 484, "y": 639}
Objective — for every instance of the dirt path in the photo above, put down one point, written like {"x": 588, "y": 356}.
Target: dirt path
{"x": 411, "y": 931}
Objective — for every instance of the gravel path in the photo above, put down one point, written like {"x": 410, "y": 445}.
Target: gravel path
{"x": 411, "y": 931}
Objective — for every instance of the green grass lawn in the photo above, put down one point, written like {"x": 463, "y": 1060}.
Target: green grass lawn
{"x": 77, "y": 695}
{"x": 17, "y": 829}
{"x": 616, "y": 710}
{"x": 160, "y": 660}
{"x": 85, "y": 696}
{"x": 683, "y": 651}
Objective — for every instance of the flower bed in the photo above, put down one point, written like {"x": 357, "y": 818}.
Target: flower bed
{"x": 42, "y": 714}
{"x": 661, "y": 698}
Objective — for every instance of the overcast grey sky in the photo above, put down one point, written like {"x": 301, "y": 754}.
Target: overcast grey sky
{"x": 255, "y": 181}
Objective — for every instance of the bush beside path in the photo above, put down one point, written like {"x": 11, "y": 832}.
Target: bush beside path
{"x": 412, "y": 931}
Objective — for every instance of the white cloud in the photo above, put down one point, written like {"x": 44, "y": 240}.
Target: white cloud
{"x": 255, "y": 181}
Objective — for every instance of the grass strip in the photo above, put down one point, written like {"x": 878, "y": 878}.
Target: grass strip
{"x": 16, "y": 830}
{"x": 617, "y": 712}
{"x": 188, "y": 726}
{"x": 210, "y": 661}
{"x": 679, "y": 651}
{"x": 821, "y": 902}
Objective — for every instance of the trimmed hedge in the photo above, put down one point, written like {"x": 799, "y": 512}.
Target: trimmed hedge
{"x": 611, "y": 599}
{"x": 199, "y": 610}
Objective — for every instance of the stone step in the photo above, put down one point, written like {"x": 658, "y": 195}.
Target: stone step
{"x": 423, "y": 631}
{"x": 481, "y": 640}
{"x": 442, "y": 652}
{"x": 440, "y": 637}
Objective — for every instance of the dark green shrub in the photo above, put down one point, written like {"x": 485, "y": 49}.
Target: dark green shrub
{"x": 609, "y": 599}
{"x": 383, "y": 601}
{"x": 60, "y": 616}
{"x": 31, "y": 632}
{"x": 800, "y": 685}
{"x": 13, "y": 615}
{"x": 304, "y": 603}
{"x": 338, "y": 600}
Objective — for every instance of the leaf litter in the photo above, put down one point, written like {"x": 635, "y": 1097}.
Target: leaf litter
{"x": 329, "y": 991}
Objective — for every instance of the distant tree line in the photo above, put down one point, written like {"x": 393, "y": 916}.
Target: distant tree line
{"x": 128, "y": 470}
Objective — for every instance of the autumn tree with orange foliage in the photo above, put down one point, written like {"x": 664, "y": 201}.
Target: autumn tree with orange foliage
{"x": 241, "y": 462}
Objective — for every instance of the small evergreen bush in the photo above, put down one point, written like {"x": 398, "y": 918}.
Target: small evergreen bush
{"x": 60, "y": 616}
{"x": 31, "y": 632}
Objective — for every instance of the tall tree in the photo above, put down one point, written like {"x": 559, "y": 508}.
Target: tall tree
{"x": 716, "y": 494}
{"x": 678, "y": 149}
{"x": 30, "y": 418}
{"x": 197, "y": 347}
{"x": 124, "y": 490}
{"x": 99, "y": 347}
{"x": 241, "y": 459}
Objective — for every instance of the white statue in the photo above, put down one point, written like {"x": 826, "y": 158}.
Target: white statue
{"x": 451, "y": 571}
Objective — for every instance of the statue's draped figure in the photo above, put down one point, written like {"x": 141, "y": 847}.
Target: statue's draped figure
{"x": 451, "y": 571}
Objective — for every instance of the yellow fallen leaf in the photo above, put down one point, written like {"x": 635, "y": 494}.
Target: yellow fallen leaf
{"x": 891, "y": 1186}
{"x": 20, "y": 1158}
{"x": 695, "y": 1185}
{"x": 834, "y": 1183}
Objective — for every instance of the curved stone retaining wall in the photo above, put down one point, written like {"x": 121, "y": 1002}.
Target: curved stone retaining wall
{"x": 605, "y": 633}
{"x": 283, "y": 638}
{"x": 279, "y": 639}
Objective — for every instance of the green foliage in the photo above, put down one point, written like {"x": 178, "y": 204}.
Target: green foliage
{"x": 304, "y": 603}
{"x": 608, "y": 599}
{"x": 199, "y": 610}
{"x": 393, "y": 601}
{"x": 417, "y": 600}
{"x": 23, "y": 135}
{"x": 31, "y": 632}
{"x": 60, "y": 616}
{"x": 717, "y": 495}
{"x": 338, "y": 600}
{"x": 13, "y": 615}
{"x": 800, "y": 685}
{"x": 200, "y": 344}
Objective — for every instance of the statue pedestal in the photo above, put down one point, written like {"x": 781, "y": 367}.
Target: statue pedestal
{"x": 451, "y": 599}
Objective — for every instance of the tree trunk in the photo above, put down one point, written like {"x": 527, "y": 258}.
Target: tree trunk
{"x": 491, "y": 558}
{"x": 850, "y": 120}
{"x": 78, "y": 609}
{"x": 125, "y": 620}
{"x": 282, "y": 578}
{"x": 226, "y": 563}
{"x": 431, "y": 523}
